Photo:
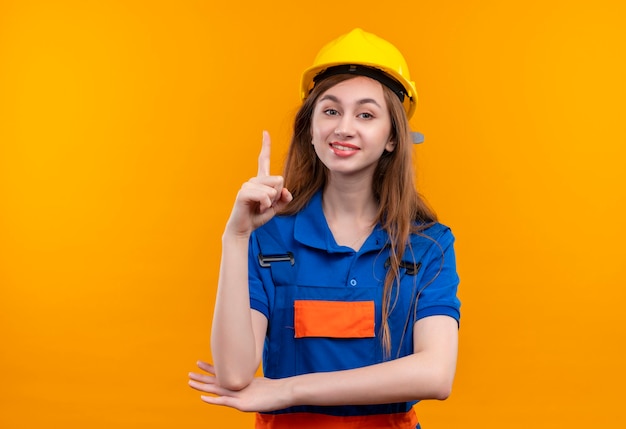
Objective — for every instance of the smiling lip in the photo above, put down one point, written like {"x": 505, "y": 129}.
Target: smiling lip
{"x": 343, "y": 149}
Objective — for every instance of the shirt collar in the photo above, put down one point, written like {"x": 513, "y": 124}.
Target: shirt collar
{"x": 311, "y": 229}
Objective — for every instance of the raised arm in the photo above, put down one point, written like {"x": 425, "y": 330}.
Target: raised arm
{"x": 237, "y": 331}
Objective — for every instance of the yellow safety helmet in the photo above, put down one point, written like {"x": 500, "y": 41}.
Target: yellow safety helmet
{"x": 363, "y": 53}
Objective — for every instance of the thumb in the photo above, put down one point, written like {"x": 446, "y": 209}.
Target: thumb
{"x": 285, "y": 198}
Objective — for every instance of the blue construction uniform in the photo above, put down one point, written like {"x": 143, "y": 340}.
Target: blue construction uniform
{"x": 309, "y": 272}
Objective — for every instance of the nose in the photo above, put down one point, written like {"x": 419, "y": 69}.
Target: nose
{"x": 345, "y": 127}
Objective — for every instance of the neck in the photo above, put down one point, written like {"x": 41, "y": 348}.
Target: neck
{"x": 350, "y": 211}
{"x": 351, "y": 201}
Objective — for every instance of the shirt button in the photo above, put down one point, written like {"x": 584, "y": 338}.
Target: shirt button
{"x": 353, "y": 282}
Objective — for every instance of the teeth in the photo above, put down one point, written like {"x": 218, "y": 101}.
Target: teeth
{"x": 337, "y": 146}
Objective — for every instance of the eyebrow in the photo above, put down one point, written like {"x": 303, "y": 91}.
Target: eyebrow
{"x": 361, "y": 101}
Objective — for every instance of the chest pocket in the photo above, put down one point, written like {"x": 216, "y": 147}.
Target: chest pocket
{"x": 334, "y": 328}
{"x": 334, "y": 319}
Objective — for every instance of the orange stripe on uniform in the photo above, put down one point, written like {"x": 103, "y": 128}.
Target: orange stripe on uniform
{"x": 406, "y": 420}
{"x": 334, "y": 319}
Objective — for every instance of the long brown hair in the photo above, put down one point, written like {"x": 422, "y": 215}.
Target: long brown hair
{"x": 401, "y": 210}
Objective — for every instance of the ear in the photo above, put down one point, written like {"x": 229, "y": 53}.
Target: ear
{"x": 390, "y": 146}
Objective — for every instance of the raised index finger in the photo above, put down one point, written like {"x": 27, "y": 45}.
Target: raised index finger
{"x": 264, "y": 156}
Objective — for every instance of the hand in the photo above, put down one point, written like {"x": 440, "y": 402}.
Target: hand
{"x": 259, "y": 198}
{"x": 262, "y": 394}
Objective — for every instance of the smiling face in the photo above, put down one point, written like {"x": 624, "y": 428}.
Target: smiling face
{"x": 351, "y": 127}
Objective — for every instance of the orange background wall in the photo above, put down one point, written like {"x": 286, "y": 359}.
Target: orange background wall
{"x": 128, "y": 126}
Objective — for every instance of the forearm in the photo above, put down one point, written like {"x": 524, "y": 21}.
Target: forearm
{"x": 415, "y": 377}
{"x": 232, "y": 337}
{"x": 428, "y": 373}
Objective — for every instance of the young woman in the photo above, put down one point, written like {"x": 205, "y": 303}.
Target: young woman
{"x": 349, "y": 291}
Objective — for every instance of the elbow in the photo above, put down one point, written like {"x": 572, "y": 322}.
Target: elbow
{"x": 442, "y": 392}
{"x": 233, "y": 374}
{"x": 232, "y": 377}
{"x": 233, "y": 381}
{"x": 441, "y": 383}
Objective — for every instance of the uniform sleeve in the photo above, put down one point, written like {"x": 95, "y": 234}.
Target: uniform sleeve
{"x": 439, "y": 285}
{"x": 259, "y": 299}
